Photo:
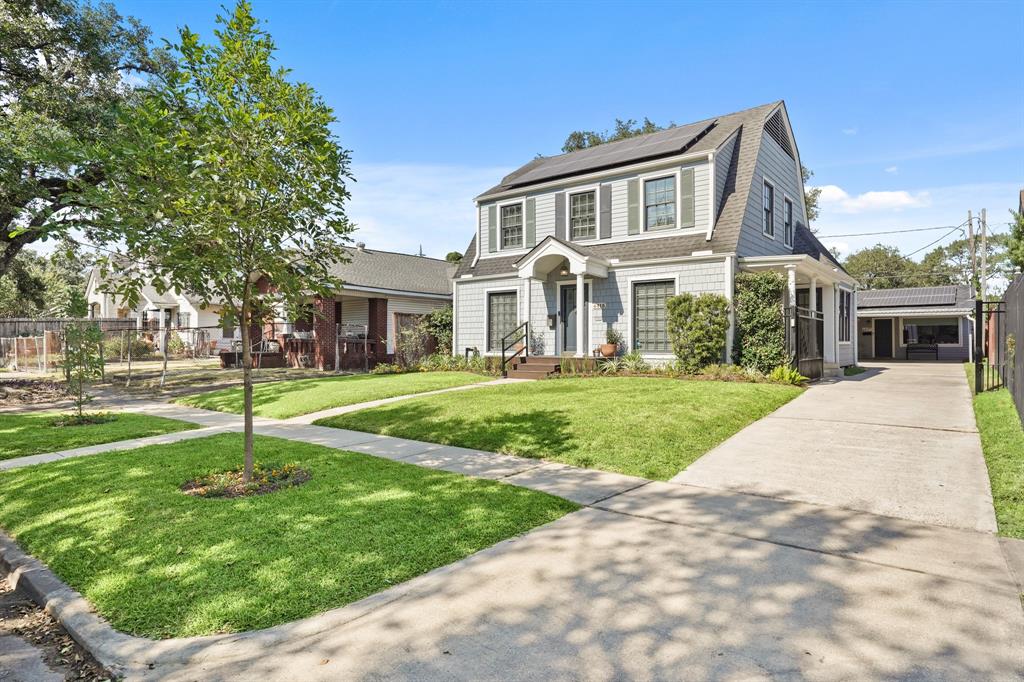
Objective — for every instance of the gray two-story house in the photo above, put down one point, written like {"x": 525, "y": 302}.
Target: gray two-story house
{"x": 615, "y": 230}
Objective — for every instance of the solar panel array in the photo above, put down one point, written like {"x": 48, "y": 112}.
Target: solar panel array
{"x": 611, "y": 154}
{"x": 901, "y": 298}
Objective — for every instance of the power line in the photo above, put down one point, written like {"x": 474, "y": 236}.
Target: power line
{"x": 932, "y": 243}
{"x": 870, "y": 234}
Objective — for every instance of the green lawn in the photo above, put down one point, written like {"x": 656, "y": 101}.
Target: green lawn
{"x": 159, "y": 563}
{"x": 1002, "y": 441}
{"x": 641, "y": 426}
{"x": 284, "y": 399}
{"x": 30, "y": 433}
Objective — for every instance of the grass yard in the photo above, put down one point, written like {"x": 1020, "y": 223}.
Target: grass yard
{"x": 284, "y": 399}
{"x": 641, "y": 426}
{"x": 158, "y": 563}
{"x": 1002, "y": 441}
{"x": 31, "y": 433}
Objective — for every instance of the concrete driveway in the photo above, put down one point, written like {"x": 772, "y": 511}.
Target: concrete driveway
{"x": 899, "y": 440}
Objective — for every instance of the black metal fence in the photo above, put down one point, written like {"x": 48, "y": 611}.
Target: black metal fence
{"x": 999, "y": 329}
{"x": 806, "y": 340}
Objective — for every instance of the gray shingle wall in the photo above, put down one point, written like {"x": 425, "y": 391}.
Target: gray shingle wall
{"x": 614, "y": 292}
{"x": 775, "y": 165}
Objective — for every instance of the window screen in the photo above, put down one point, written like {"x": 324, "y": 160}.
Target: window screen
{"x": 650, "y": 326}
{"x": 845, "y": 298}
{"x": 788, "y": 234}
{"x": 512, "y": 226}
{"x": 769, "y": 210}
{"x": 931, "y": 330}
{"x": 583, "y": 215}
{"x": 660, "y": 203}
{"x": 501, "y": 317}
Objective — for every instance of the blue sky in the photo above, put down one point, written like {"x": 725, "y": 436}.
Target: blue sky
{"x": 909, "y": 113}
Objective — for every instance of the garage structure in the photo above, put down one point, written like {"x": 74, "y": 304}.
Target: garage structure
{"x": 919, "y": 323}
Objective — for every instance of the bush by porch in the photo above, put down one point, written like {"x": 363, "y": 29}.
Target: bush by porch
{"x": 632, "y": 425}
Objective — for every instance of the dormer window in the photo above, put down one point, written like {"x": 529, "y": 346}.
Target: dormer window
{"x": 583, "y": 215}
{"x": 660, "y": 203}
{"x": 512, "y": 226}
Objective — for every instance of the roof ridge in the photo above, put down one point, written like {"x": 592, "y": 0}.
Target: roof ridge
{"x": 367, "y": 249}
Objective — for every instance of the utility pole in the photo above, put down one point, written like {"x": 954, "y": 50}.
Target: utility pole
{"x": 984, "y": 253}
{"x": 973, "y": 253}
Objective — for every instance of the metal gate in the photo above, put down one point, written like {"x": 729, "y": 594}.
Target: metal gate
{"x": 806, "y": 341}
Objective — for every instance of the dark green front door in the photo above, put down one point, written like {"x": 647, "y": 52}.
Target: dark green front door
{"x": 568, "y": 303}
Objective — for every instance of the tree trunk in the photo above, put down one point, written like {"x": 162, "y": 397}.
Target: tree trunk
{"x": 247, "y": 390}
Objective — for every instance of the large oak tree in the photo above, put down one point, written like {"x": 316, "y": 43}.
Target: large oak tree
{"x": 62, "y": 80}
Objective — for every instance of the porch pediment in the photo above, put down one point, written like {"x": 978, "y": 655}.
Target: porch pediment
{"x": 552, "y": 253}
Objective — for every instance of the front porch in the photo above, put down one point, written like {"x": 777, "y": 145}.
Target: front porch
{"x": 819, "y": 302}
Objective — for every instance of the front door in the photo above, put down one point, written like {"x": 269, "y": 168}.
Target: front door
{"x": 883, "y": 338}
{"x": 568, "y": 307}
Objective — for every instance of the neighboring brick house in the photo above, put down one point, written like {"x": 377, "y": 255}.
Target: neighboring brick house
{"x": 616, "y": 229}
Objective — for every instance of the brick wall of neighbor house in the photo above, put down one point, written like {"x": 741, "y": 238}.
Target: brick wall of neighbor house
{"x": 378, "y": 323}
{"x": 324, "y": 331}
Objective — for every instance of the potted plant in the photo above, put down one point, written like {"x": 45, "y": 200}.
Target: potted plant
{"x": 611, "y": 345}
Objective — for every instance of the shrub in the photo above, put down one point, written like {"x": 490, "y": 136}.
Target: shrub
{"x": 438, "y": 323}
{"x": 611, "y": 366}
{"x": 697, "y": 327}
{"x": 760, "y": 321}
{"x": 115, "y": 347}
{"x": 784, "y": 374}
{"x": 387, "y": 368}
{"x": 634, "y": 363}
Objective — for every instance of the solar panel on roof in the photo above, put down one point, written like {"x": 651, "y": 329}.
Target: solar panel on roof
{"x": 623, "y": 151}
{"x": 902, "y": 298}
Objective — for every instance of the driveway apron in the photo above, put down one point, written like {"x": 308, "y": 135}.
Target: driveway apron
{"x": 899, "y": 440}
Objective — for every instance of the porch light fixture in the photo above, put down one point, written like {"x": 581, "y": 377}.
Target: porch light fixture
{"x": 564, "y": 271}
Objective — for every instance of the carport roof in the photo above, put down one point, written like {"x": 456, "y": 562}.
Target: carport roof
{"x": 934, "y": 299}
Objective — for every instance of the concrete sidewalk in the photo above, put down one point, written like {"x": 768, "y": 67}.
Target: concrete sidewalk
{"x": 899, "y": 440}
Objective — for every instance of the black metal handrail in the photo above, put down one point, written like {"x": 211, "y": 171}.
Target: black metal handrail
{"x": 519, "y": 334}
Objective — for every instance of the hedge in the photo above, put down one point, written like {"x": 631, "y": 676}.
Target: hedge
{"x": 697, "y": 327}
{"x": 760, "y": 321}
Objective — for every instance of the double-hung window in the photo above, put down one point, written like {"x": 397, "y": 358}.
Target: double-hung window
{"x": 660, "y": 203}
{"x": 583, "y": 215}
{"x": 845, "y": 314}
{"x": 650, "y": 316}
{"x": 788, "y": 228}
{"x": 769, "y": 210}
{"x": 501, "y": 317}
{"x": 512, "y": 226}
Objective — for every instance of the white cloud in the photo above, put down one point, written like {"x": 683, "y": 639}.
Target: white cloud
{"x": 400, "y": 207}
{"x": 892, "y": 170}
{"x": 836, "y": 198}
{"x": 850, "y": 131}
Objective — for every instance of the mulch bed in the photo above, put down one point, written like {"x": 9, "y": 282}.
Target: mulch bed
{"x": 229, "y": 483}
{"x": 30, "y": 391}
{"x": 21, "y": 617}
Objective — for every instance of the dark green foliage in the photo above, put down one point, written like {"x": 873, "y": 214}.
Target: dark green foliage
{"x": 1016, "y": 240}
{"x": 760, "y": 321}
{"x": 697, "y": 326}
{"x": 438, "y": 323}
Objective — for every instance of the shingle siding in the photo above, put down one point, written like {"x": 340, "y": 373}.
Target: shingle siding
{"x": 778, "y": 168}
{"x": 614, "y": 292}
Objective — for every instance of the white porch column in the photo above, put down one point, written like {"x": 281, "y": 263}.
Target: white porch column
{"x": 854, "y": 326}
{"x": 828, "y": 308}
{"x": 791, "y": 279}
{"x": 730, "y": 294}
{"x": 582, "y": 345}
{"x": 813, "y": 298}
{"x": 791, "y": 307}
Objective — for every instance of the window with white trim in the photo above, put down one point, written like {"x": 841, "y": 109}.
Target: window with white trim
{"x": 845, "y": 314}
{"x": 502, "y": 317}
{"x": 931, "y": 330}
{"x": 583, "y": 215}
{"x": 660, "y": 203}
{"x": 769, "y": 209}
{"x": 650, "y": 316}
{"x": 512, "y": 226}
{"x": 788, "y": 226}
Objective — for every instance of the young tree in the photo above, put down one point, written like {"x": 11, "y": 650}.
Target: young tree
{"x": 61, "y": 83}
{"x": 228, "y": 184}
{"x": 1015, "y": 243}
{"x": 83, "y": 359}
